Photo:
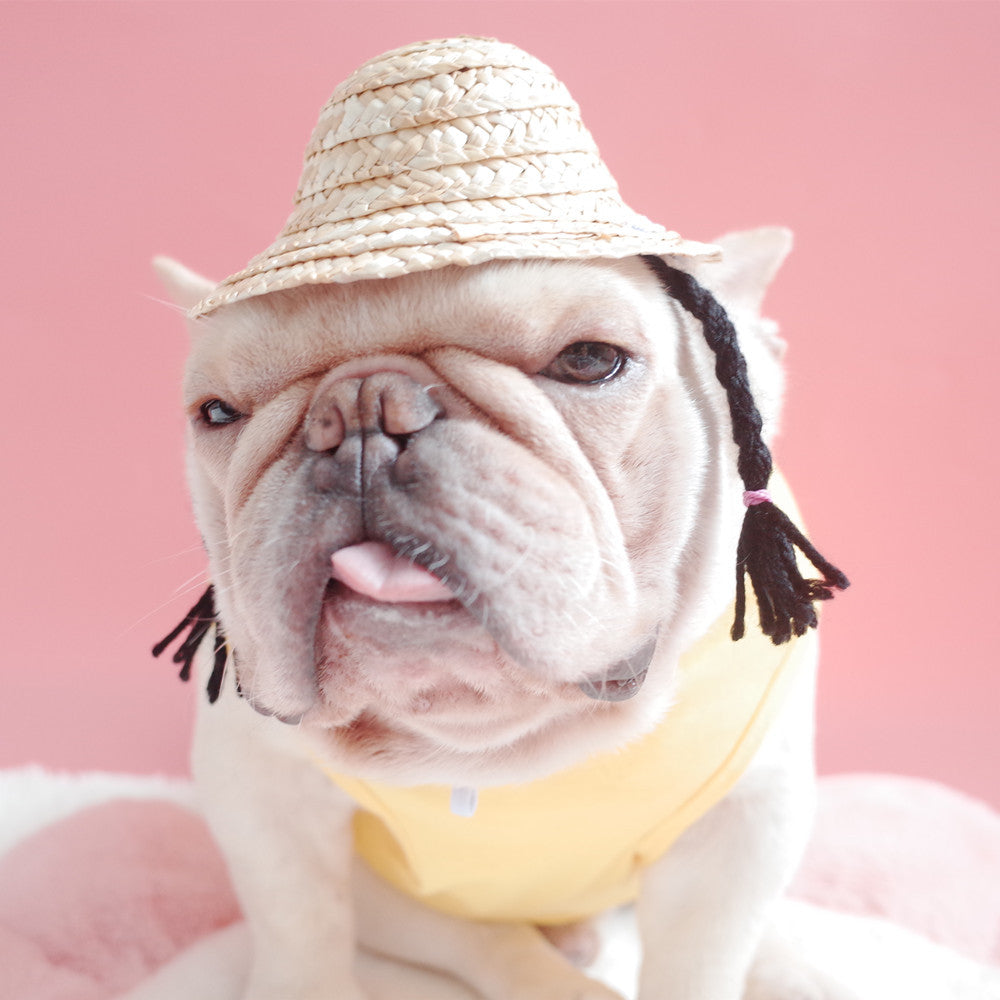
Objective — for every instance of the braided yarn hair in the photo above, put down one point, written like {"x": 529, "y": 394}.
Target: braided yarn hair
{"x": 766, "y": 549}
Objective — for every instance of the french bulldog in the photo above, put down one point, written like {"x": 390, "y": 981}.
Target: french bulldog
{"x": 464, "y": 526}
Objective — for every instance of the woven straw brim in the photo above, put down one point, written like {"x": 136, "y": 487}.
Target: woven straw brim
{"x": 447, "y": 153}
{"x": 428, "y": 248}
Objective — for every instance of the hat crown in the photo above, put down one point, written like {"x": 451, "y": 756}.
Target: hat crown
{"x": 454, "y": 151}
{"x": 445, "y": 121}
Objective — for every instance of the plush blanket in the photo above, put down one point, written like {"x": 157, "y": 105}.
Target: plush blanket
{"x": 106, "y": 879}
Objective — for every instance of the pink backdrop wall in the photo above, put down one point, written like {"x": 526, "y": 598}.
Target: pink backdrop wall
{"x": 869, "y": 128}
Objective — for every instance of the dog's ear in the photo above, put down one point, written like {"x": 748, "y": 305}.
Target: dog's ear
{"x": 185, "y": 288}
{"x": 750, "y": 260}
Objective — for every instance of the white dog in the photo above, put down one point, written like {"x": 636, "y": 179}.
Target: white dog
{"x": 471, "y": 532}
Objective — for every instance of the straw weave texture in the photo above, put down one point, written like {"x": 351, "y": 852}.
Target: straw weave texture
{"x": 453, "y": 152}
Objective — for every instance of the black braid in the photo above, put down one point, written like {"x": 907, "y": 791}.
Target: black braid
{"x": 199, "y": 620}
{"x": 766, "y": 549}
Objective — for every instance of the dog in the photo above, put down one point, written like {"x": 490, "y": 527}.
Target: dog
{"x": 471, "y": 531}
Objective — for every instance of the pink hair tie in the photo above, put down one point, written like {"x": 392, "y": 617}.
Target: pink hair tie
{"x": 753, "y": 497}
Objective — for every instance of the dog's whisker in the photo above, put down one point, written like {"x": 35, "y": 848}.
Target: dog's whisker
{"x": 178, "y": 554}
{"x": 172, "y": 306}
{"x": 193, "y": 584}
{"x": 523, "y": 555}
{"x": 195, "y": 580}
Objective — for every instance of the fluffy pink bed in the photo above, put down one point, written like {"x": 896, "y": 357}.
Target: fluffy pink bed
{"x": 92, "y": 903}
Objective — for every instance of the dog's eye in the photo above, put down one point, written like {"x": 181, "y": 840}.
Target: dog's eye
{"x": 586, "y": 362}
{"x": 216, "y": 412}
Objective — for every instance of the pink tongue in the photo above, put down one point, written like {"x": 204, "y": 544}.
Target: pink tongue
{"x": 374, "y": 569}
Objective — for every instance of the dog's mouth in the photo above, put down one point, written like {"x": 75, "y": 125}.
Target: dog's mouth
{"x": 383, "y": 617}
{"x": 378, "y": 573}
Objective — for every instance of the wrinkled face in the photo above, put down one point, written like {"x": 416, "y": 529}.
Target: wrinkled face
{"x": 458, "y": 515}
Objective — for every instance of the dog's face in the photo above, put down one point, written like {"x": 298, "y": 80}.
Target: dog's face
{"x": 465, "y": 518}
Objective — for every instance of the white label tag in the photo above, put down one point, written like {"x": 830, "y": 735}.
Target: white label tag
{"x": 464, "y": 801}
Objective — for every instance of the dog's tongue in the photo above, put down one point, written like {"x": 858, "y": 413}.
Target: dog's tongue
{"x": 374, "y": 569}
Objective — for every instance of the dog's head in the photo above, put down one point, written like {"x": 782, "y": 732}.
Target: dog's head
{"x": 465, "y": 515}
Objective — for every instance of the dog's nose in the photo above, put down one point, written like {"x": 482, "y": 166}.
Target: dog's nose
{"x": 374, "y": 416}
{"x": 389, "y": 403}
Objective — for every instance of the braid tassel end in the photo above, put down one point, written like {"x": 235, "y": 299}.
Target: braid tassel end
{"x": 198, "y": 622}
{"x": 767, "y": 554}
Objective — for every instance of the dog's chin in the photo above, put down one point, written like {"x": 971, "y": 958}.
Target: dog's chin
{"x": 399, "y": 674}
{"x": 404, "y": 637}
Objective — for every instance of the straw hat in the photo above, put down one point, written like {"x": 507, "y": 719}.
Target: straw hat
{"x": 457, "y": 151}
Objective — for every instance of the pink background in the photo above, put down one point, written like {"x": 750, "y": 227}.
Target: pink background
{"x": 869, "y": 128}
